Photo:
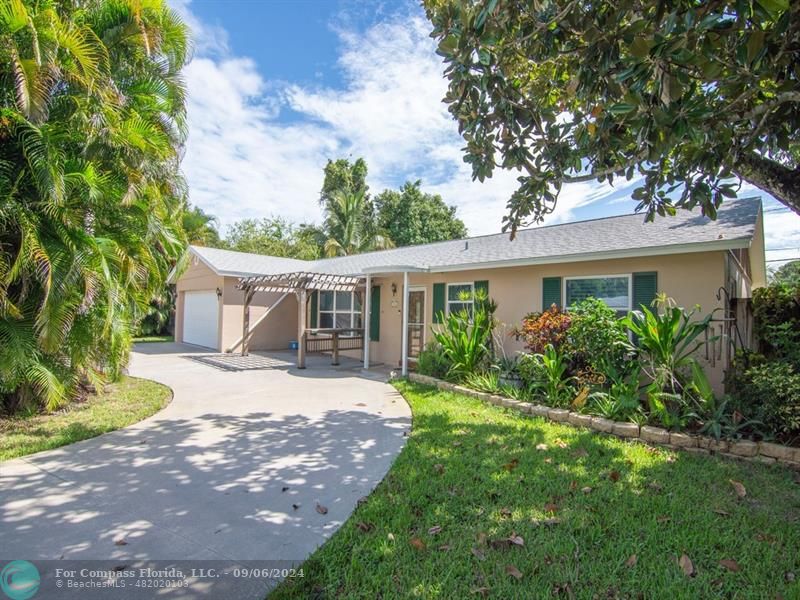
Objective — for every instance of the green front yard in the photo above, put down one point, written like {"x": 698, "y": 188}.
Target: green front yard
{"x": 125, "y": 402}
{"x": 487, "y": 502}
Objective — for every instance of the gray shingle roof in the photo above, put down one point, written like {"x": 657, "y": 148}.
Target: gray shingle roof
{"x": 609, "y": 237}
{"x": 227, "y": 262}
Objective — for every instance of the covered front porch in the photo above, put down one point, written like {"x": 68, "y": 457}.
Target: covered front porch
{"x": 335, "y": 341}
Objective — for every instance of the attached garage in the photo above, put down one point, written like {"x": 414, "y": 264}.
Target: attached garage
{"x": 201, "y": 318}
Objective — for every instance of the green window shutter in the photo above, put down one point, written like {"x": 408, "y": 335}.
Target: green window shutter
{"x": 645, "y": 288}
{"x": 482, "y": 285}
{"x": 438, "y": 301}
{"x": 375, "y": 314}
{"x": 551, "y": 292}
{"x": 314, "y": 315}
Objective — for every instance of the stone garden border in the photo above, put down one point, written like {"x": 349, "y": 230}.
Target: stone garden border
{"x": 763, "y": 452}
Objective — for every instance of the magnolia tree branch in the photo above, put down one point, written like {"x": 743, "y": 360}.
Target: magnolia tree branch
{"x": 774, "y": 178}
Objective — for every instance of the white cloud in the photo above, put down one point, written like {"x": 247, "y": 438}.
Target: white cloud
{"x": 258, "y": 147}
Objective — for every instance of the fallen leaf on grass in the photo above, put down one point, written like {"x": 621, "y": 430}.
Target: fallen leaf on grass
{"x": 550, "y": 507}
{"x": 631, "y": 562}
{"x": 721, "y": 512}
{"x": 686, "y": 565}
{"x": 505, "y": 512}
{"x": 483, "y": 591}
{"x": 614, "y": 476}
{"x": 517, "y": 540}
{"x": 560, "y": 443}
{"x": 365, "y": 527}
{"x": 541, "y": 446}
{"x": 580, "y": 453}
{"x": 514, "y": 572}
{"x": 789, "y": 577}
{"x": 434, "y": 530}
{"x": 511, "y": 465}
{"x": 445, "y": 547}
{"x": 439, "y": 468}
{"x": 323, "y": 510}
{"x": 390, "y": 537}
{"x": 663, "y": 519}
{"x": 478, "y": 554}
{"x": 729, "y": 564}
{"x": 656, "y": 487}
{"x": 548, "y": 460}
{"x": 417, "y": 543}
{"x": 586, "y": 490}
{"x": 741, "y": 491}
{"x": 120, "y": 542}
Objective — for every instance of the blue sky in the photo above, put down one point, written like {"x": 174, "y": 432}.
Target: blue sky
{"x": 276, "y": 87}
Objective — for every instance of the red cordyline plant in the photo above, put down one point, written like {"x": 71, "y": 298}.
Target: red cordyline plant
{"x": 540, "y": 329}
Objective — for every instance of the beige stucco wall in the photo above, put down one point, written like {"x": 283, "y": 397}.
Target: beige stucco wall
{"x": 688, "y": 278}
{"x": 273, "y": 333}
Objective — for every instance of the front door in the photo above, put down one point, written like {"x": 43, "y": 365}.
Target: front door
{"x": 416, "y": 321}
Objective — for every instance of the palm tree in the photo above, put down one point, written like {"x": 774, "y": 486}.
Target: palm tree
{"x": 90, "y": 192}
{"x": 349, "y": 231}
{"x": 200, "y": 227}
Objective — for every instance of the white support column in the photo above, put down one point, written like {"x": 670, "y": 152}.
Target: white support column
{"x": 301, "y": 329}
{"x": 367, "y": 315}
{"x": 404, "y": 359}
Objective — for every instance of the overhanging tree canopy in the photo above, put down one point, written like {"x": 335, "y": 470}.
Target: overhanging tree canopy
{"x": 684, "y": 93}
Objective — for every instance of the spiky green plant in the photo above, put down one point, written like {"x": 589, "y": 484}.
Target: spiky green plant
{"x": 91, "y": 120}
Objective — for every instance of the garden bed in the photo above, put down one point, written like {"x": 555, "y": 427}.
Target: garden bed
{"x": 740, "y": 449}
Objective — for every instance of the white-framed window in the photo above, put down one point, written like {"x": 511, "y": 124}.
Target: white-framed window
{"x": 614, "y": 290}
{"x": 460, "y": 296}
{"x": 340, "y": 310}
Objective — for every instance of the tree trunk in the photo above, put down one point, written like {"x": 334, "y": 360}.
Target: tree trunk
{"x": 772, "y": 177}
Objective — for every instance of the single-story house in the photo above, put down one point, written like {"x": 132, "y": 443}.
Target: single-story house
{"x": 714, "y": 264}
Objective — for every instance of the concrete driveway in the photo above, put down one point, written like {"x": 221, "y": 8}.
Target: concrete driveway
{"x": 231, "y": 471}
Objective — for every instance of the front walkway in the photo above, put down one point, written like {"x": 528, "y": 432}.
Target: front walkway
{"x": 232, "y": 470}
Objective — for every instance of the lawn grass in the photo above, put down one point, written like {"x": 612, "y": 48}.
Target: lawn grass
{"x": 148, "y": 339}
{"x": 475, "y": 471}
{"x": 125, "y": 402}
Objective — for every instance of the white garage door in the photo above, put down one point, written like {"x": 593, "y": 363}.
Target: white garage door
{"x": 201, "y": 318}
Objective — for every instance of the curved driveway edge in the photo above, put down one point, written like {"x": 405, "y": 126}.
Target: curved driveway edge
{"x": 232, "y": 470}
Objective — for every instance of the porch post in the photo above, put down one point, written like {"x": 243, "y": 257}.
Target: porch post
{"x": 301, "y": 329}
{"x": 404, "y": 360}
{"x": 248, "y": 296}
{"x": 367, "y": 315}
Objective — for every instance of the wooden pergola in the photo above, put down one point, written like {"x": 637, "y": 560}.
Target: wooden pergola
{"x": 301, "y": 283}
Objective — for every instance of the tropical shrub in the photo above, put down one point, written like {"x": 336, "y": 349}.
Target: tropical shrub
{"x": 620, "y": 398}
{"x": 769, "y": 392}
{"x": 432, "y": 362}
{"x": 487, "y": 381}
{"x": 666, "y": 343}
{"x": 92, "y": 117}
{"x": 464, "y": 338}
{"x": 553, "y": 380}
{"x": 596, "y": 336}
{"x": 776, "y": 320}
{"x": 538, "y": 330}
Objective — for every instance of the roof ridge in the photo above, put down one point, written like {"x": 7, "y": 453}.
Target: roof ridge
{"x": 527, "y": 229}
